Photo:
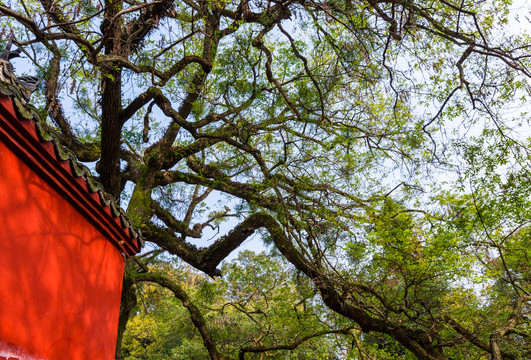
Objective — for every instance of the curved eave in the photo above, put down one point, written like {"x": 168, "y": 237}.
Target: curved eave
{"x": 45, "y": 157}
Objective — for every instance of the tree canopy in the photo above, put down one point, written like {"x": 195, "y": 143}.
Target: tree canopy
{"x": 378, "y": 147}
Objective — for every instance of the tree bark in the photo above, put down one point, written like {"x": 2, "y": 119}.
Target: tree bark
{"x": 127, "y": 303}
{"x": 111, "y": 129}
{"x": 111, "y": 102}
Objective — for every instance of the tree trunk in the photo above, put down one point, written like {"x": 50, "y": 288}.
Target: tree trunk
{"x": 111, "y": 102}
{"x": 127, "y": 303}
{"x": 111, "y": 129}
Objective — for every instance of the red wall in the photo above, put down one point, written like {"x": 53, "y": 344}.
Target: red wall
{"x": 60, "y": 278}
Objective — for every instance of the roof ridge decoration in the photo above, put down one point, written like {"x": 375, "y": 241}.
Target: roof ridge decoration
{"x": 79, "y": 173}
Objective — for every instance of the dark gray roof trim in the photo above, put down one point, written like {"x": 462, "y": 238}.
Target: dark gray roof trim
{"x": 78, "y": 171}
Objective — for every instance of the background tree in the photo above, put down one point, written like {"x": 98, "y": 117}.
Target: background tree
{"x": 258, "y": 309}
{"x": 324, "y": 127}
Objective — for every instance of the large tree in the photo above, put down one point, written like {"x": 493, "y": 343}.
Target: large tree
{"x": 349, "y": 135}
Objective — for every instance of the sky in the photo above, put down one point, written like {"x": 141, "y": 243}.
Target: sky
{"x": 520, "y": 20}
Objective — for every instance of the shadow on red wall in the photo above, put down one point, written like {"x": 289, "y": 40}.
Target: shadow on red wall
{"x": 60, "y": 278}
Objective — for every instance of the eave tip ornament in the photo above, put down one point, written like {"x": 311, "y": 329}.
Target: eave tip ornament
{"x": 25, "y": 84}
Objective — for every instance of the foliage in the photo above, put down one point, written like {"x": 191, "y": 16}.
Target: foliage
{"x": 370, "y": 143}
{"x": 260, "y": 302}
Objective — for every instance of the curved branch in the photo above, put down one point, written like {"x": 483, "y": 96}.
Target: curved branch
{"x": 241, "y": 190}
{"x": 138, "y": 29}
{"x": 417, "y": 342}
{"x": 83, "y": 151}
{"x": 83, "y": 44}
{"x": 290, "y": 346}
{"x": 473, "y": 338}
{"x": 27, "y": 22}
{"x": 195, "y": 314}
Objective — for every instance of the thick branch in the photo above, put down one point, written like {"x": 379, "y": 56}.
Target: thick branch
{"x": 174, "y": 224}
{"x": 84, "y": 152}
{"x": 40, "y": 35}
{"x": 291, "y": 346}
{"x": 417, "y": 342}
{"x": 241, "y": 190}
{"x": 147, "y": 21}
